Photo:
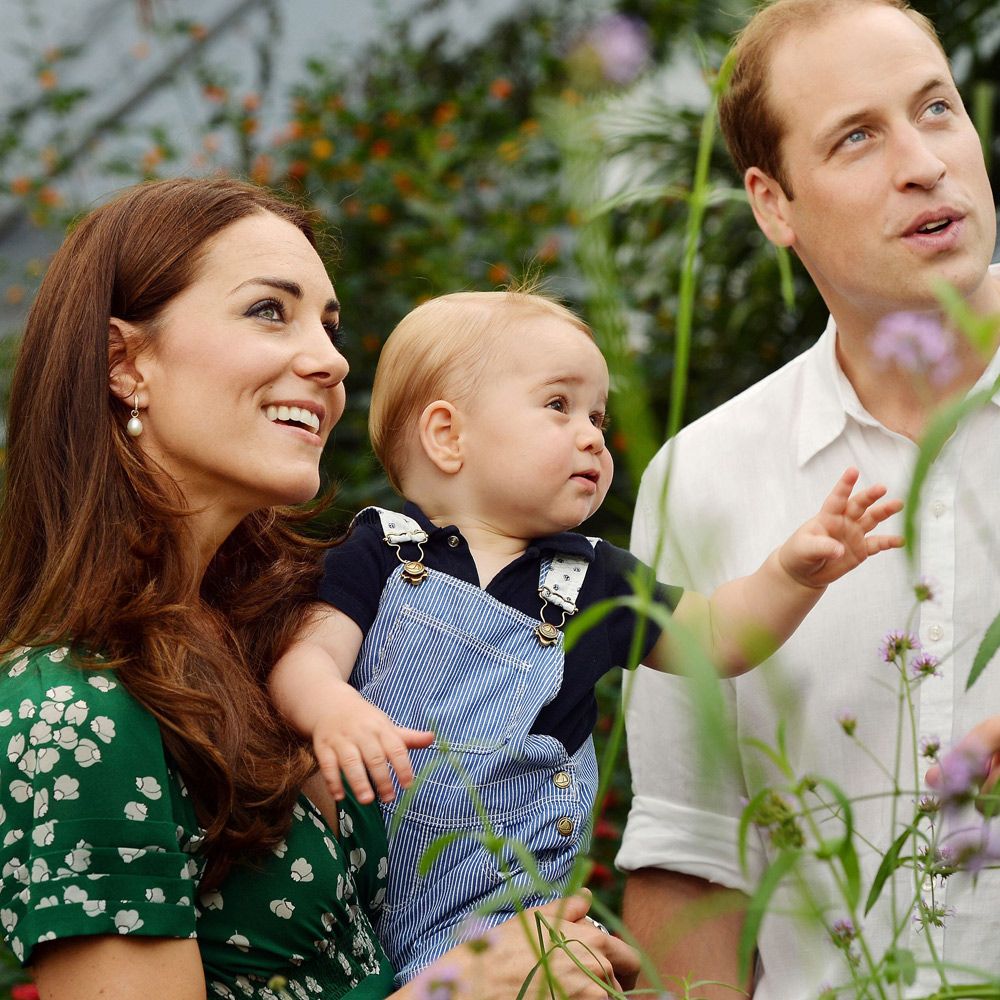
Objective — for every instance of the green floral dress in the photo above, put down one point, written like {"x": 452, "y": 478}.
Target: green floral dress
{"x": 100, "y": 837}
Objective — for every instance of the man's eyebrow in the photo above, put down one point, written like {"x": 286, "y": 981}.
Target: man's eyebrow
{"x": 291, "y": 287}
{"x": 860, "y": 117}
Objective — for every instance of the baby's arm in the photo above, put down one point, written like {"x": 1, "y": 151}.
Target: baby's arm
{"x": 349, "y": 735}
{"x": 747, "y": 619}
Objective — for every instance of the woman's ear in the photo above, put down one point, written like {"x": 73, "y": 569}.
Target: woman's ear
{"x": 438, "y": 431}
{"x": 124, "y": 377}
{"x": 770, "y": 206}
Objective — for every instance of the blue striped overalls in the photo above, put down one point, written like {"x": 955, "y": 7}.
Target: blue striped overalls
{"x": 443, "y": 654}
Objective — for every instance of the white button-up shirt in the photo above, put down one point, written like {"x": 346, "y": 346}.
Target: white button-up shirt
{"x": 741, "y": 480}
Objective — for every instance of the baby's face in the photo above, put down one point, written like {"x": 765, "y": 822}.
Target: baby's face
{"x": 533, "y": 434}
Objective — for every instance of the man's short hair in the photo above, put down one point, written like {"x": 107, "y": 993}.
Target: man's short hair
{"x": 752, "y": 127}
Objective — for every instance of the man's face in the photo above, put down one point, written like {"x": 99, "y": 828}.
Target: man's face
{"x": 890, "y": 188}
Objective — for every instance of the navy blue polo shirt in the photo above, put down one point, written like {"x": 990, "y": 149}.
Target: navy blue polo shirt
{"x": 356, "y": 570}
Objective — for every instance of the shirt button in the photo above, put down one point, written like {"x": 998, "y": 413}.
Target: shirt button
{"x": 938, "y": 508}
{"x": 936, "y": 633}
{"x": 453, "y": 541}
{"x": 561, "y": 779}
{"x": 564, "y": 825}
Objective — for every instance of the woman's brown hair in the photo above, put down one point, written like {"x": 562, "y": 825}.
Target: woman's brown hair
{"x": 91, "y": 533}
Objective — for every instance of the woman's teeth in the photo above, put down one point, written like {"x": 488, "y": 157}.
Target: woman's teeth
{"x": 293, "y": 414}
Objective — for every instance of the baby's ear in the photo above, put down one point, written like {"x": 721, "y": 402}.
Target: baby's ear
{"x": 124, "y": 376}
{"x": 438, "y": 430}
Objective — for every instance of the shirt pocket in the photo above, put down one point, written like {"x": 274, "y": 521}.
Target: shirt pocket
{"x": 433, "y": 675}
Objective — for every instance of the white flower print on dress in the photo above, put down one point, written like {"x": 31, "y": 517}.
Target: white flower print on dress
{"x": 313, "y": 985}
{"x": 51, "y": 712}
{"x": 20, "y": 791}
{"x": 40, "y": 732}
{"x": 67, "y": 738}
{"x": 240, "y": 941}
{"x": 301, "y": 870}
{"x": 65, "y": 788}
{"x": 12, "y": 837}
{"x": 103, "y": 728}
{"x": 47, "y": 936}
{"x": 280, "y": 850}
{"x": 46, "y": 759}
{"x": 102, "y": 683}
{"x": 245, "y": 985}
{"x": 74, "y": 894}
{"x": 156, "y": 895}
{"x": 149, "y": 787}
{"x": 41, "y": 803}
{"x": 8, "y": 918}
{"x": 127, "y": 920}
{"x": 211, "y": 900}
{"x": 383, "y": 867}
{"x": 44, "y": 833}
{"x": 78, "y": 860}
{"x": 282, "y": 908}
{"x": 15, "y": 747}
{"x": 357, "y": 858}
{"x": 18, "y": 668}
{"x": 346, "y": 823}
{"x": 76, "y": 714}
{"x": 28, "y": 763}
{"x": 6, "y": 717}
{"x": 94, "y": 907}
{"x": 136, "y": 810}
{"x": 58, "y": 655}
{"x": 87, "y": 753}
{"x": 40, "y": 870}
{"x": 26, "y": 710}
{"x": 63, "y": 692}
{"x": 17, "y": 869}
{"x": 47, "y": 901}
{"x": 129, "y": 854}
{"x": 223, "y": 990}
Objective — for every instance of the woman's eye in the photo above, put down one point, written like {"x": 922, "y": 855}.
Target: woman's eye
{"x": 269, "y": 309}
{"x": 336, "y": 334}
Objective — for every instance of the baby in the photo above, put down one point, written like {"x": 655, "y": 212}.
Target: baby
{"x": 488, "y": 414}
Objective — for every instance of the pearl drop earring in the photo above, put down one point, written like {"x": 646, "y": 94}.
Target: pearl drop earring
{"x": 134, "y": 426}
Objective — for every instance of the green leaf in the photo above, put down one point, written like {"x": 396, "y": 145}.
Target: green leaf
{"x": 889, "y": 864}
{"x": 746, "y": 819}
{"x": 437, "y": 847}
{"x": 757, "y": 907}
{"x": 987, "y": 650}
{"x": 900, "y": 964}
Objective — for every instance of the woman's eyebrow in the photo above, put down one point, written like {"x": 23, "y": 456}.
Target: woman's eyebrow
{"x": 291, "y": 287}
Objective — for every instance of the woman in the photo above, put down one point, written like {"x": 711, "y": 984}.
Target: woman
{"x": 178, "y": 379}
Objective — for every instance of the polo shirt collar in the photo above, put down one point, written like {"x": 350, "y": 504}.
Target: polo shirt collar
{"x": 570, "y": 543}
{"x": 827, "y": 398}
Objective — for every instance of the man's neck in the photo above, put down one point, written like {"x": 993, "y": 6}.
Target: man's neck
{"x": 900, "y": 400}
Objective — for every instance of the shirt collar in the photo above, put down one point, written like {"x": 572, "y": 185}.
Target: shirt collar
{"x": 570, "y": 543}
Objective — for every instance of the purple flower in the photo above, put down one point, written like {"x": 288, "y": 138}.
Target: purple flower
{"x": 621, "y": 45}
{"x": 440, "y": 982}
{"x": 895, "y": 644}
{"x": 929, "y": 747}
{"x": 925, "y": 665}
{"x": 961, "y": 772}
{"x": 842, "y": 933}
{"x": 974, "y": 847}
{"x": 917, "y": 343}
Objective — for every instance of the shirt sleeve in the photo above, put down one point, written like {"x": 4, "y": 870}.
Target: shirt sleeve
{"x": 684, "y": 817}
{"x": 622, "y": 570}
{"x": 354, "y": 574}
{"x": 86, "y": 804}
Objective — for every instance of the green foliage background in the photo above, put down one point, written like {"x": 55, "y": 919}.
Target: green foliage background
{"x": 436, "y": 166}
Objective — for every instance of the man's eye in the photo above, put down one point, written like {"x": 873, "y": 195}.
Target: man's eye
{"x": 938, "y": 108}
{"x": 855, "y": 137}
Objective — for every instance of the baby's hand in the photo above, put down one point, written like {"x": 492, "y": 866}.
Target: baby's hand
{"x": 837, "y": 539}
{"x": 361, "y": 741}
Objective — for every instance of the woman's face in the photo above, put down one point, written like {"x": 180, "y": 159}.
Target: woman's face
{"x": 242, "y": 382}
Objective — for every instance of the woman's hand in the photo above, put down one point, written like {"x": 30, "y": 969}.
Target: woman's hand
{"x": 584, "y": 960}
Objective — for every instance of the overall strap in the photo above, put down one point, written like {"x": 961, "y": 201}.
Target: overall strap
{"x": 397, "y": 530}
{"x": 561, "y": 581}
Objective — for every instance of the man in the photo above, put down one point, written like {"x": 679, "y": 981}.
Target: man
{"x": 858, "y": 155}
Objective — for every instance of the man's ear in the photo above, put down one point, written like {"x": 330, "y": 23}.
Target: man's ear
{"x": 124, "y": 377}
{"x": 438, "y": 430}
{"x": 770, "y": 206}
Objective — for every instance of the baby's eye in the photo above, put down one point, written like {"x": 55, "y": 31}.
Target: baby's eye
{"x": 267, "y": 309}
{"x": 600, "y": 420}
{"x": 559, "y": 404}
